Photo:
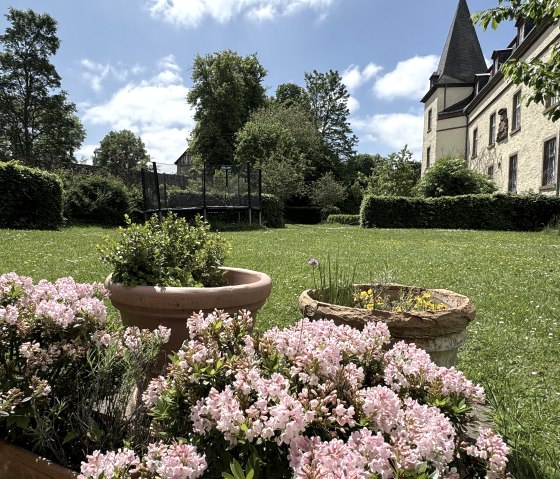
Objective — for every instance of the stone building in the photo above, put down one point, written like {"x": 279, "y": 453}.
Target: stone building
{"x": 472, "y": 111}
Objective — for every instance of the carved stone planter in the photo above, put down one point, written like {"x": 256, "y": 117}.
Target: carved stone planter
{"x": 18, "y": 463}
{"x": 440, "y": 333}
{"x": 149, "y": 306}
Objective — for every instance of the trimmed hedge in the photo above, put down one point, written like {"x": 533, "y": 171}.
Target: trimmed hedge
{"x": 97, "y": 199}
{"x": 31, "y": 198}
{"x": 478, "y": 212}
{"x": 344, "y": 219}
{"x": 272, "y": 214}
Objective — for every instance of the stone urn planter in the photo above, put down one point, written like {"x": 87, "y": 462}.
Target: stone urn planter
{"x": 149, "y": 306}
{"x": 18, "y": 463}
{"x": 439, "y": 332}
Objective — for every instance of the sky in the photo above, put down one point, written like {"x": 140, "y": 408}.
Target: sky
{"x": 126, "y": 63}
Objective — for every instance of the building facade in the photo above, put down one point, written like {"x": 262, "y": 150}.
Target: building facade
{"x": 473, "y": 112}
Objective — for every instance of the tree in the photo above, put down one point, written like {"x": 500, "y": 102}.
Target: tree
{"x": 121, "y": 150}
{"x": 396, "y": 175}
{"x": 542, "y": 76}
{"x": 329, "y": 103}
{"x": 227, "y": 88}
{"x": 326, "y": 192}
{"x": 283, "y": 141}
{"x": 37, "y": 122}
{"x": 450, "y": 176}
{"x": 290, "y": 94}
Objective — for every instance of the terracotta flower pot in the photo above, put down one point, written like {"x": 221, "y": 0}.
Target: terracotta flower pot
{"x": 149, "y": 306}
{"x": 440, "y": 332}
{"x": 18, "y": 463}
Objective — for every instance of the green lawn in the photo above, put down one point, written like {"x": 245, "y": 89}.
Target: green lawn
{"x": 513, "y": 279}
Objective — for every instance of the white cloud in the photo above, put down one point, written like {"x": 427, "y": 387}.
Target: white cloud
{"x": 353, "y": 104}
{"x": 191, "y": 13}
{"x": 393, "y": 129}
{"x": 96, "y": 73}
{"x": 410, "y": 78}
{"x": 156, "y": 109}
{"x": 353, "y": 77}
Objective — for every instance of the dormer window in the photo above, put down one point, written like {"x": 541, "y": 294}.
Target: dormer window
{"x": 524, "y": 29}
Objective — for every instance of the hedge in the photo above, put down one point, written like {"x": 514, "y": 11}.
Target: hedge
{"x": 272, "y": 214}
{"x": 97, "y": 199}
{"x": 344, "y": 219}
{"x": 31, "y": 198}
{"x": 479, "y": 212}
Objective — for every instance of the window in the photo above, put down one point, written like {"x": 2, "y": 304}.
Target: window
{"x": 549, "y": 162}
{"x": 490, "y": 171}
{"x": 512, "y": 176}
{"x": 516, "y": 120}
{"x": 475, "y": 143}
{"x": 430, "y": 119}
{"x": 551, "y": 101}
{"x": 428, "y": 154}
{"x": 492, "y": 132}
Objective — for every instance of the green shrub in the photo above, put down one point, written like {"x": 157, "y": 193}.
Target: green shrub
{"x": 329, "y": 210}
{"x": 97, "y": 199}
{"x": 272, "y": 211}
{"x": 170, "y": 252}
{"x": 451, "y": 176}
{"x": 31, "y": 198}
{"x": 344, "y": 219}
{"x": 480, "y": 212}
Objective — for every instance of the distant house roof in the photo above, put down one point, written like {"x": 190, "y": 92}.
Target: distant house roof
{"x": 184, "y": 159}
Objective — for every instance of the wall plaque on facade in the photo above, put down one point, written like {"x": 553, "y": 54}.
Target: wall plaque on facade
{"x": 503, "y": 125}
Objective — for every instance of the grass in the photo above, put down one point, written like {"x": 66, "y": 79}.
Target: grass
{"x": 513, "y": 348}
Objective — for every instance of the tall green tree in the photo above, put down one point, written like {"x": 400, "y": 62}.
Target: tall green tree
{"x": 121, "y": 150}
{"x": 291, "y": 94}
{"x": 227, "y": 88}
{"x": 542, "y": 76}
{"x": 37, "y": 122}
{"x": 283, "y": 141}
{"x": 395, "y": 175}
{"x": 328, "y": 98}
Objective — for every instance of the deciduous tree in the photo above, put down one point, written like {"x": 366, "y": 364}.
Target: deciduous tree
{"x": 227, "y": 88}
{"x": 121, "y": 150}
{"x": 395, "y": 175}
{"x": 283, "y": 141}
{"x": 37, "y": 122}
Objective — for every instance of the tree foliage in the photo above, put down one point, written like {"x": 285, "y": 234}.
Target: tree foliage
{"x": 283, "y": 141}
{"x": 327, "y": 191}
{"x": 542, "y": 76}
{"x": 37, "y": 122}
{"x": 328, "y": 98}
{"x": 395, "y": 175}
{"x": 290, "y": 94}
{"x": 227, "y": 88}
{"x": 121, "y": 150}
{"x": 451, "y": 176}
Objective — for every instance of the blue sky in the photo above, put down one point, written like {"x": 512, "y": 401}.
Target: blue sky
{"x": 125, "y": 63}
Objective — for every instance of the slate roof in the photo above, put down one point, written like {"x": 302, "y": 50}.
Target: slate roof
{"x": 462, "y": 56}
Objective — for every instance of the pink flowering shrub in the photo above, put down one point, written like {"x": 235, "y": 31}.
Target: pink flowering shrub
{"x": 314, "y": 401}
{"x": 66, "y": 371}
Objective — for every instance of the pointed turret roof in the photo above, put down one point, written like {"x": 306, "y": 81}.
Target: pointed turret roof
{"x": 462, "y": 56}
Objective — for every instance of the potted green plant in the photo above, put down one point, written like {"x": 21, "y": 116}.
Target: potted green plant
{"x": 435, "y": 320}
{"x": 164, "y": 270}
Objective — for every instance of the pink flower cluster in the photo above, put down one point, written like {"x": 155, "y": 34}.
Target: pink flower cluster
{"x": 58, "y": 305}
{"x": 493, "y": 451}
{"x": 175, "y": 461}
{"x": 329, "y": 398}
